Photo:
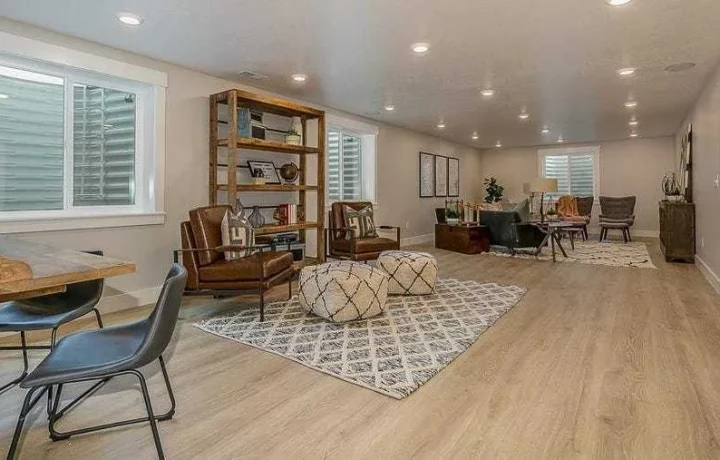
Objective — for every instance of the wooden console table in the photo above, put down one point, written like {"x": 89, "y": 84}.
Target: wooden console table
{"x": 466, "y": 239}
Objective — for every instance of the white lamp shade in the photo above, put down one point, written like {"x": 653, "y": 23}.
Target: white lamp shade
{"x": 541, "y": 184}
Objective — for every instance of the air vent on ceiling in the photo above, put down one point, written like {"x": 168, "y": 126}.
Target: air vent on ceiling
{"x": 680, "y": 67}
{"x": 252, "y": 75}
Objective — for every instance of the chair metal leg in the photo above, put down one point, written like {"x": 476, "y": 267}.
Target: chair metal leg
{"x": 151, "y": 415}
{"x": 24, "y": 373}
{"x": 27, "y": 406}
{"x": 97, "y": 316}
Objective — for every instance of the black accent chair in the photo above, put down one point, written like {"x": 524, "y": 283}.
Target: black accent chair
{"x": 507, "y": 229}
{"x": 48, "y": 312}
{"x": 103, "y": 354}
{"x": 440, "y": 215}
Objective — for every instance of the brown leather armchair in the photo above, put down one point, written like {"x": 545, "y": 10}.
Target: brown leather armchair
{"x": 342, "y": 243}
{"x": 210, "y": 273}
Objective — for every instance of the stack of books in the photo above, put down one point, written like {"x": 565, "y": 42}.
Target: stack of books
{"x": 290, "y": 211}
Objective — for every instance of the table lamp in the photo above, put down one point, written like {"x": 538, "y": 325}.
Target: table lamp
{"x": 542, "y": 186}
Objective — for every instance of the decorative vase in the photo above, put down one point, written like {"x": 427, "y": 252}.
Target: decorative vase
{"x": 297, "y": 127}
{"x": 256, "y": 218}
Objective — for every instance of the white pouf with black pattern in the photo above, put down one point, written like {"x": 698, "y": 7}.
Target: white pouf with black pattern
{"x": 411, "y": 273}
{"x": 343, "y": 291}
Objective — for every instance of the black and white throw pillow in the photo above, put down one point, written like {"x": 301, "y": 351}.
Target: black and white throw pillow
{"x": 360, "y": 221}
{"x": 236, "y": 231}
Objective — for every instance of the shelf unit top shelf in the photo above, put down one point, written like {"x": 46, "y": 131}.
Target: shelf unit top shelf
{"x": 269, "y": 146}
{"x": 269, "y": 104}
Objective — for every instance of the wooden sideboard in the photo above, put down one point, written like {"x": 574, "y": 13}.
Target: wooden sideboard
{"x": 677, "y": 231}
{"x": 466, "y": 239}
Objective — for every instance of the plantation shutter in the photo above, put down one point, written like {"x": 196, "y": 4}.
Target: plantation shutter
{"x": 575, "y": 173}
{"x": 104, "y": 147}
{"x": 344, "y": 167}
{"x": 31, "y": 141}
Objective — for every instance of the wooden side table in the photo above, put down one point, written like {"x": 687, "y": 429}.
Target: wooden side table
{"x": 465, "y": 239}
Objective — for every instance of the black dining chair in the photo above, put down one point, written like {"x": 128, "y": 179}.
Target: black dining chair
{"x": 48, "y": 312}
{"x": 103, "y": 354}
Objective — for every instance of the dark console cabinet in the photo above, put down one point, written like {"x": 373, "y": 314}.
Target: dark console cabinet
{"x": 677, "y": 231}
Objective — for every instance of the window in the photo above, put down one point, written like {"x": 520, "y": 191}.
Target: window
{"x": 350, "y": 161}
{"x": 575, "y": 169}
{"x": 76, "y": 142}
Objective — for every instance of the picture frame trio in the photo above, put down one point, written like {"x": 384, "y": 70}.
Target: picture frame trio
{"x": 439, "y": 176}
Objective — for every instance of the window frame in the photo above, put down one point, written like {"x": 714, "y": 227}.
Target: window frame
{"x": 368, "y": 156}
{"x": 148, "y": 85}
{"x": 593, "y": 150}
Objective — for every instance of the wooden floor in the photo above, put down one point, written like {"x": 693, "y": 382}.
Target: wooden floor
{"x": 594, "y": 362}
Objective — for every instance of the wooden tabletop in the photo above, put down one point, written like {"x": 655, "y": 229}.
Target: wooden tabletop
{"x": 32, "y": 269}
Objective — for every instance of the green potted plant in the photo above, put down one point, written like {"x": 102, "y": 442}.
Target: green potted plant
{"x": 452, "y": 215}
{"x": 493, "y": 190}
{"x": 293, "y": 137}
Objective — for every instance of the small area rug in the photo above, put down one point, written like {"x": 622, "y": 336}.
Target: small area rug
{"x": 393, "y": 353}
{"x": 609, "y": 253}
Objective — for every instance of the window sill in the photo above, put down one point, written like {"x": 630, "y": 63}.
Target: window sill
{"x": 78, "y": 222}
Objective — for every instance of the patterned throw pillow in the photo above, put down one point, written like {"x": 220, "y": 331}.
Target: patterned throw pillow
{"x": 236, "y": 230}
{"x": 360, "y": 221}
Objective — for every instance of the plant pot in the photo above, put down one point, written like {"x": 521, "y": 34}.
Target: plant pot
{"x": 452, "y": 220}
{"x": 259, "y": 180}
{"x": 293, "y": 139}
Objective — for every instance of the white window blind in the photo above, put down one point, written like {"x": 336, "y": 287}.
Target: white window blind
{"x": 65, "y": 143}
{"x": 344, "y": 181}
{"x": 576, "y": 172}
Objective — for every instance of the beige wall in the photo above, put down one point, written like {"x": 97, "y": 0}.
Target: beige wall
{"x": 705, "y": 119}
{"x": 630, "y": 167}
{"x": 187, "y": 171}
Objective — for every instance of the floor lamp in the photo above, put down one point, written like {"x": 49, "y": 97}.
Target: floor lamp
{"x": 542, "y": 186}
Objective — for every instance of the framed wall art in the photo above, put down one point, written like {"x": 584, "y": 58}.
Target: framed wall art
{"x": 427, "y": 175}
{"x": 441, "y": 176}
{"x": 453, "y": 177}
{"x": 264, "y": 169}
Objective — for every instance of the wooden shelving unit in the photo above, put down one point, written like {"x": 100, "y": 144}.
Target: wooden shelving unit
{"x": 232, "y": 100}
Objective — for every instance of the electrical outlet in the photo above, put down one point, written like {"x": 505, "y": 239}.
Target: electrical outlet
{"x": 716, "y": 182}
{"x": 407, "y": 225}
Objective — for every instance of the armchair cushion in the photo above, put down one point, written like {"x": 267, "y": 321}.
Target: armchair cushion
{"x": 367, "y": 245}
{"x": 247, "y": 268}
{"x": 206, "y": 224}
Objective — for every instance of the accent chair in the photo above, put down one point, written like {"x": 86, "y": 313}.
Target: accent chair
{"x": 342, "y": 242}
{"x": 617, "y": 214}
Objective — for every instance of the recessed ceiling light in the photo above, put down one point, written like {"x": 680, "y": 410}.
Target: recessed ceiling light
{"x": 524, "y": 116}
{"x": 475, "y": 136}
{"x": 545, "y": 130}
{"x": 441, "y": 125}
{"x": 633, "y": 122}
{"x": 498, "y": 144}
{"x": 631, "y": 104}
{"x": 680, "y": 67}
{"x": 487, "y": 92}
{"x": 633, "y": 134}
{"x": 299, "y": 77}
{"x": 627, "y": 71}
{"x": 4, "y": 96}
{"x": 389, "y": 107}
{"x": 420, "y": 48}
{"x": 129, "y": 19}
{"x": 560, "y": 140}
{"x": 617, "y": 2}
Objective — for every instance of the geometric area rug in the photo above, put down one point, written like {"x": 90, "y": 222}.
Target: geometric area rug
{"x": 393, "y": 353}
{"x": 608, "y": 253}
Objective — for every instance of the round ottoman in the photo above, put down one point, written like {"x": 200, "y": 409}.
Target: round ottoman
{"x": 343, "y": 291}
{"x": 411, "y": 273}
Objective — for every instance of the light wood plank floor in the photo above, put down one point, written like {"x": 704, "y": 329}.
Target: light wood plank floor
{"x": 594, "y": 362}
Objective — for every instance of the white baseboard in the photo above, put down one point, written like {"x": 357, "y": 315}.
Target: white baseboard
{"x": 417, "y": 239}
{"x": 708, "y": 273}
{"x": 127, "y": 300}
{"x": 633, "y": 232}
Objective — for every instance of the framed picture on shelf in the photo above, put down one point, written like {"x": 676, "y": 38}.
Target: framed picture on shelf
{"x": 453, "y": 177}
{"x": 441, "y": 175}
{"x": 427, "y": 175}
{"x": 264, "y": 169}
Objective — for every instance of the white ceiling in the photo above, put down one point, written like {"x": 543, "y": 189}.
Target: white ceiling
{"x": 555, "y": 58}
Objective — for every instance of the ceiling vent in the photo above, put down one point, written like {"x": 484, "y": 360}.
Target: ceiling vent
{"x": 680, "y": 67}
{"x": 252, "y": 75}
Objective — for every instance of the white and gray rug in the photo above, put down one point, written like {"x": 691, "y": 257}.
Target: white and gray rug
{"x": 609, "y": 253}
{"x": 393, "y": 353}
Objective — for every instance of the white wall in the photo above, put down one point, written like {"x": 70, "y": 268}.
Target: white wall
{"x": 150, "y": 247}
{"x": 705, "y": 119}
{"x": 629, "y": 167}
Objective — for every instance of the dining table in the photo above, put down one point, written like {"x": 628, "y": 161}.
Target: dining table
{"x": 29, "y": 269}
